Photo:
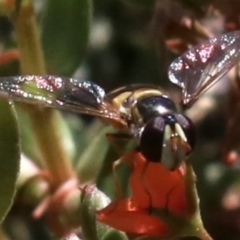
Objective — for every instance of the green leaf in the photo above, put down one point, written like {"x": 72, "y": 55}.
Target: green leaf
{"x": 91, "y": 200}
{"x": 9, "y": 157}
{"x": 115, "y": 235}
{"x": 65, "y": 32}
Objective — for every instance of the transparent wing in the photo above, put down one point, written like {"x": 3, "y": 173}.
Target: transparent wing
{"x": 59, "y": 92}
{"x": 204, "y": 64}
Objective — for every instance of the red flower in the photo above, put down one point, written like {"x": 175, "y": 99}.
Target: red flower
{"x": 156, "y": 192}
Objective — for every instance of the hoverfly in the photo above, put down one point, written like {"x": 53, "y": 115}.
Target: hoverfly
{"x": 142, "y": 110}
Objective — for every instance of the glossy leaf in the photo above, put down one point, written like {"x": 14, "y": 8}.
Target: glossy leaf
{"x": 114, "y": 235}
{"x": 65, "y": 32}
{"x": 9, "y": 157}
{"x": 91, "y": 200}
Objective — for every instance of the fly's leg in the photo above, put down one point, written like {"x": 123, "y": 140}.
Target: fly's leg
{"x": 126, "y": 158}
{"x": 114, "y": 137}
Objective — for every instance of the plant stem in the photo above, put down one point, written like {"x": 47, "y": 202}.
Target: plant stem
{"x": 3, "y": 235}
{"x": 193, "y": 203}
{"x": 204, "y": 235}
{"x": 43, "y": 120}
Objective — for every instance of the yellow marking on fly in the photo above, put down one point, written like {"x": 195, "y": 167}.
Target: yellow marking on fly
{"x": 142, "y": 92}
{"x": 167, "y": 133}
{"x": 146, "y": 92}
{"x": 180, "y": 132}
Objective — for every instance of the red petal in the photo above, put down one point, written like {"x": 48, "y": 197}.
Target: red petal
{"x": 139, "y": 191}
{"x": 177, "y": 201}
{"x": 155, "y": 186}
{"x": 125, "y": 215}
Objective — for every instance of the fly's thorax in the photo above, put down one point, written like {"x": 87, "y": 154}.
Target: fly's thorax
{"x": 167, "y": 139}
{"x": 137, "y": 103}
{"x": 149, "y": 107}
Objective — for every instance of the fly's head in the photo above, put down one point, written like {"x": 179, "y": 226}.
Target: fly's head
{"x": 167, "y": 139}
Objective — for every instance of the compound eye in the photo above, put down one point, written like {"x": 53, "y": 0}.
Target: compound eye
{"x": 188, "y": 129}
{"x": 151, "y": 140}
